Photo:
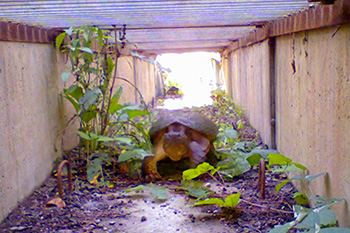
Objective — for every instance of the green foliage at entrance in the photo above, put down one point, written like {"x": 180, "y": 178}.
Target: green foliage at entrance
{"x": 107, "y": 126}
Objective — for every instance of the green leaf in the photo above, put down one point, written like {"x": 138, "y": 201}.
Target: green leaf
{"x": 133, "y": 154}
{"x": 245, "y": 146}
{"x": 263, "y": 152}
{"x": 240, "y": 124}
{"x": 86, "y": 50}
{"x": 196, "y": 189}
{"x": 233, "y": 166}
{"x": 192, "y": 173}
{"x": 232, "y": 200}
{"x": 87, "y": 33}
{"x": 106, "y": 158}
{"x": 254, "y": 159}
{"x": 300, "y": 166}
{"x": 231, "y": 133}
{"x": 88, "y": 115}
{"x": 310, "y": 178}
{"x": 309, "y": 221}
{"x": 65, "y": 76}
{"x": 89, "y": 98}
{"x": 327, "y": 217}
{"x": 132, "y": 106}
{"x": 137, "y": 188}
{"x": 75, "y": 44}
{"x": 74, "y": 102}
{"x": 75, "y": 91}
{"x": 335, "y": 200}
{"x": 93, "y": 169}
{"x": 59, "y": 40}
{"x": 280, "y": 185}
{"x": 135, "y": 113}
{"x": 324, "y": 201}
{"x": 111, "y": 64}
{"x": 100, "y": 38}
{"x": 84, "y": 135}
{"x": 278, "y": 159}
{"x": 282, "y": 228}
{"x": 286, "y": 168}
{"x": 301, "y": 198}
{"x": 117, "y": 94}
{"x": 114, "y": 107}
{"x": 159, "y": 193}
{"x": 300, "y": 212}
{"x": 211, "y": 201}
{"x": 112, "y": 139}
{"x": 69, "y": 31}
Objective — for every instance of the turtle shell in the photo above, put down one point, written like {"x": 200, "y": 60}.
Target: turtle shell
{"x": 193, "y": 120}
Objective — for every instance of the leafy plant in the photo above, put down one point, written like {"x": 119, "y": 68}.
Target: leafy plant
{"x": 320, "y": 219}
{"x": 230, "y": 201}
{"x": 234, "y": 164}
{"x": 95, "y": 172}
{"x": 201, "y": 169}
{"x": 169, "y": 84}
{"x": 106, "y": 126}
{"x": 285, "y": 164}
{"x": 196, "y": 189}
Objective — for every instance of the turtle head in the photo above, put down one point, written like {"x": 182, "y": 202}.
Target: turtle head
{"x": 176, "y": 141}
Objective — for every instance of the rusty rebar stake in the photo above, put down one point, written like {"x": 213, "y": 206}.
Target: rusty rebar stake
{"x": 261, "y": 182}
{"x": 59, "y": 177}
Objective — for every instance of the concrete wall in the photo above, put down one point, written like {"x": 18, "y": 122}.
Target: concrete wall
{"x": 125, "y": 70}
{"x": 313, "y": 107}
{"x": 144, "y": 75}
{"x": 33, "y": 121}
{"x": 30, "y": 126}
{"x": 249, "y": 70}
{"x": 308, "y": 75}
{"x": 144, "y": 79}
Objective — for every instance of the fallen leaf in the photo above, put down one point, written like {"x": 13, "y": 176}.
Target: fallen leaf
{"x": 56, "y": 202}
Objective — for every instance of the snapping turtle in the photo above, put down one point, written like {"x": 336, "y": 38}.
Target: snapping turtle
{"x": 180, "y": 135}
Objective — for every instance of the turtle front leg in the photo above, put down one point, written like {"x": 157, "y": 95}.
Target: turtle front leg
{"x": 199, "y": 148}
{"x": 149, "y": 164}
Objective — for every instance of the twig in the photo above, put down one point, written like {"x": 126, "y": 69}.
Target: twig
{"x": 213, "y": 177}
{"x": 266, "y": 207}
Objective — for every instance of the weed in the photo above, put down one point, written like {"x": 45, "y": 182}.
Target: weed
{"x": 107, "y": 127}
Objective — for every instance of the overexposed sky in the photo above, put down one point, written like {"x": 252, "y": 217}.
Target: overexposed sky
{"x": 195, "y": 74}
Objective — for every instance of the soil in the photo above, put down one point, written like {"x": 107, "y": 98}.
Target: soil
{"x": 100, "y": 209}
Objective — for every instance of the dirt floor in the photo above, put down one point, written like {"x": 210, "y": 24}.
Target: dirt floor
{"x": 92, "y": 209}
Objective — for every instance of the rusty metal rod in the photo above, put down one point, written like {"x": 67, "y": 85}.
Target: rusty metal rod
{"x": 261, "y": 182}
{"x": 59, "y": 177}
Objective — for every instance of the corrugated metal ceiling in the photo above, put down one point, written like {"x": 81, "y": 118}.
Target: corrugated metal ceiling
{"x": 157, "y": 26}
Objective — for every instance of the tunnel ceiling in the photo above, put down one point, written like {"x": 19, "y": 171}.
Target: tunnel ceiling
{"x": 157, "y": 26}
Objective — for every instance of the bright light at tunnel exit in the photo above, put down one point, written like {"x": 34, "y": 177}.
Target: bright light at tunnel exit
{"x": 195, "y": 74}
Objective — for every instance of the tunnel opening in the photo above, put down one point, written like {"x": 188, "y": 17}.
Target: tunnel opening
{"x": 192, "y": 76}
